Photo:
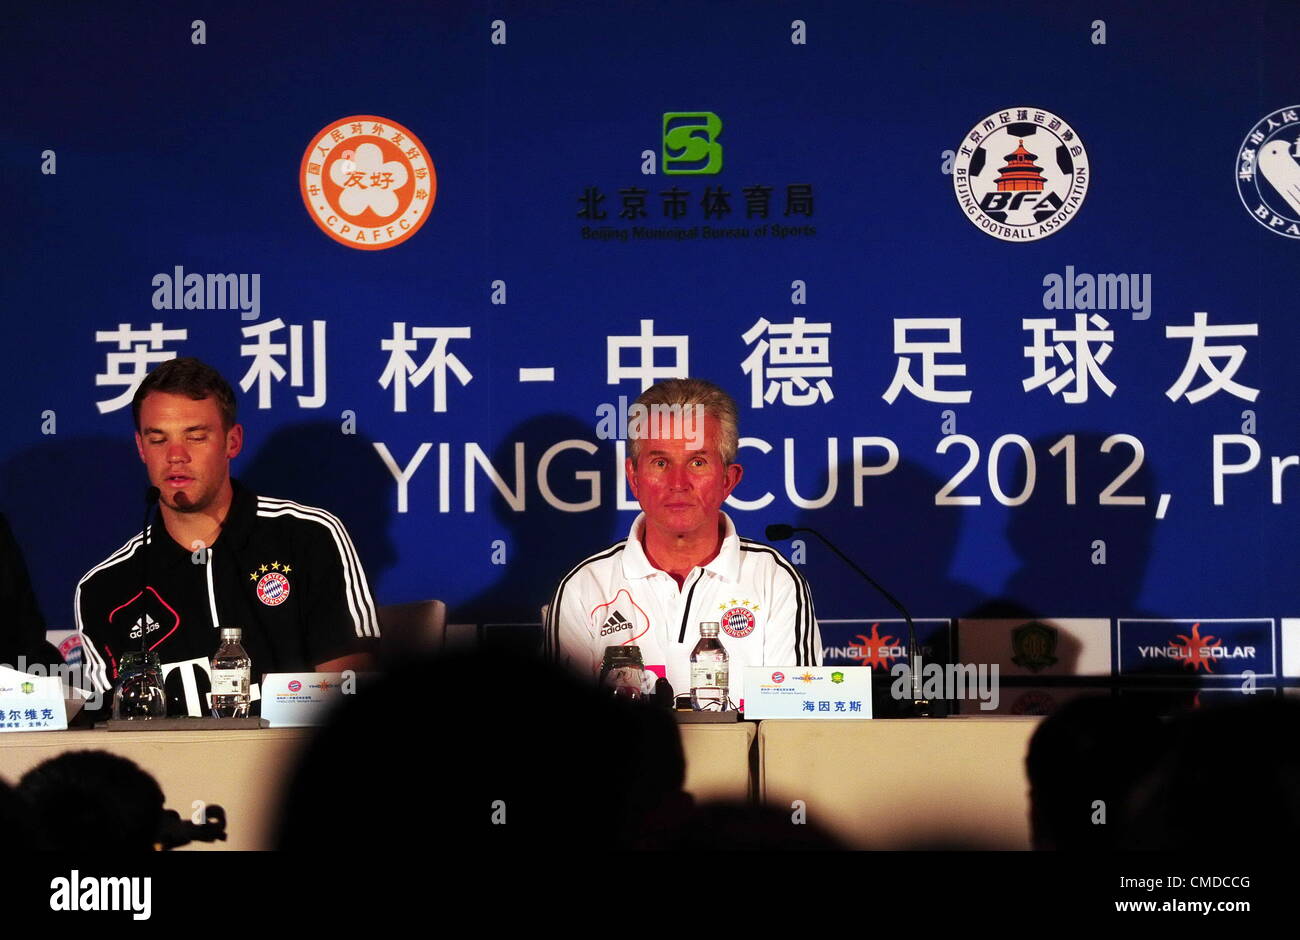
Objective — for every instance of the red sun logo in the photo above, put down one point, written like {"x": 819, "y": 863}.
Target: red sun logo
{"x": 876, "y": 649}
{"x": 1197, "y": 648}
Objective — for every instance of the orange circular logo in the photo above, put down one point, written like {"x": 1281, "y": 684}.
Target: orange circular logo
{"x": 367, "y": 182}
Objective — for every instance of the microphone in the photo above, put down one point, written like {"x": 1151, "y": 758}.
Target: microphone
{"x": 151, "y": 496}
{"x": 779, "y": 532}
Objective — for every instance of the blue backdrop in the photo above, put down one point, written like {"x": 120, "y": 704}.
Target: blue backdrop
{"x": 138, "y": 140}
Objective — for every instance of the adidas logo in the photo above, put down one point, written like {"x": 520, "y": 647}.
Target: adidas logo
{"x": 615, "y": 623}
{"x": 150, "y": 626}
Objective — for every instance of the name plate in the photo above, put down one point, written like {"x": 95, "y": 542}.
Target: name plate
{"x": 31, "y": 703}
{"x": 302, "y": 699}
{"x": 808, "y": 692}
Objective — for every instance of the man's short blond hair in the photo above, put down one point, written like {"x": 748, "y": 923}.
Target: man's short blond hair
{"x": 715, "y": 401}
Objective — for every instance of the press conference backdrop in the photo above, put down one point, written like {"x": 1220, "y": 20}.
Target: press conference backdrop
{"x": 1005, "y": 292}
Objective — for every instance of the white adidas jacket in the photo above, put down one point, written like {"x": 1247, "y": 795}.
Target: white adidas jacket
{"x": 616, "y": 597}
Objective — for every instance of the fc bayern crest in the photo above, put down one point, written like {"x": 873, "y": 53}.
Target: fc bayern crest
{"x": 273, "y": 589}
{"x": 738, "y": 622}
{"x": 1021, "y": 174}
{"x": 1268, "y": 172}
{"x": 367, "y": 182}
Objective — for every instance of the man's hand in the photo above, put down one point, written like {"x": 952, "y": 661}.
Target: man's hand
{"x": 357, "y": 662}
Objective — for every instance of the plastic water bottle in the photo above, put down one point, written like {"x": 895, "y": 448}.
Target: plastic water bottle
{"x": 622, "y": 673}
{"x": 709, "y": 671}
{"x": 232, "y": 672}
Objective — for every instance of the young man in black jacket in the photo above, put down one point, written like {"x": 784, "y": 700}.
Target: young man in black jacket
{"x": 286, "y": 574}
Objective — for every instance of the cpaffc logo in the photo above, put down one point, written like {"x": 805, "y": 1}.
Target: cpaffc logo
{"x": 1268, "y": 172}
{"x": 367, "y": 181}
{"x": 1021, "y": 174}
{"x": 691, "y": 144}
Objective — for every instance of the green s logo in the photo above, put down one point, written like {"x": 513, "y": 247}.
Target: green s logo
{"x": 691, "y": 143}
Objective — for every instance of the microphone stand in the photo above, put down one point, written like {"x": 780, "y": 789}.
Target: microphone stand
{"x": 150, "y": 501}
{"x": 920, "y": 706}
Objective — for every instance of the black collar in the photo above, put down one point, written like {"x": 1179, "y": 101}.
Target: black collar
{"x": 242, "y": 515}
{"x": 235, "y": 532}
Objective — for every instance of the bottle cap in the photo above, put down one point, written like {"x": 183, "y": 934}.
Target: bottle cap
{"x": 622, "y": 655}
{"x": 709, "y": 628}
{"x": 231, "y": 633}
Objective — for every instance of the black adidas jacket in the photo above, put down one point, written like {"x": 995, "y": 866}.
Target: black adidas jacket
{"x": 286, "y": 574}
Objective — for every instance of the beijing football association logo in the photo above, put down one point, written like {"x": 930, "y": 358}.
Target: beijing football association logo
{"x": 1021, "y": 174}
{"x": 1268, "y": 172}
{"x": 367, "y": 182}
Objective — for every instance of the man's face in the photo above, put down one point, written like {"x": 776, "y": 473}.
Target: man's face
{"x": 681, "y": 488}
{"x": 185, "y": 449}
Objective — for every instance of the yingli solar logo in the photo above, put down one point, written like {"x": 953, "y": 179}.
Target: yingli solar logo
{"x": 1197, "y": 652}
{"x": 1204, "y": 647}
{"x": 876, "y": 651}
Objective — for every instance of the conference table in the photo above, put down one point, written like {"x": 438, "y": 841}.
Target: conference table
{"x": 872, "y": 784}
{"x": 956, "y": 782}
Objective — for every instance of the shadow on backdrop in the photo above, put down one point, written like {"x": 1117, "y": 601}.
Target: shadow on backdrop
{"x": 71, "y": 503}
{"x": 898, "y": 536}
{"x": 544, "y": 542}
{"x": 1056, "y": 542}
{"x": 1086, "y": 559}
{"x": 317, "y": 465}
{"x": 907, "y": 544}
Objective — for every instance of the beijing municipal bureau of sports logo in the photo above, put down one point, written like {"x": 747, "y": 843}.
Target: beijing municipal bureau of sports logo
{"x": 1021, "y": 174}
{"x": 367, "y": 182}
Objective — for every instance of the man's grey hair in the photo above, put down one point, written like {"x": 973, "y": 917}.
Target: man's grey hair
{"x": 715, "y": 401}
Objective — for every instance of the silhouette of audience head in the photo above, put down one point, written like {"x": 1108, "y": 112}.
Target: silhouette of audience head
{"x": 92, "y": 801}
{"x": 745, "y": 827}
{"x": 1229, "y": 782}
{"x": 1083, "y": 763}
{"x": 15, "y": 821}
{"x": 513, "y": 753}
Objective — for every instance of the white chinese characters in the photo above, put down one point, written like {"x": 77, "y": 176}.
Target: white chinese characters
{"x": 267, "y": 368}
{"x": 797, "y": 353}
{"x": 138, "y": 351}
{"x": 402, "y": 370}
